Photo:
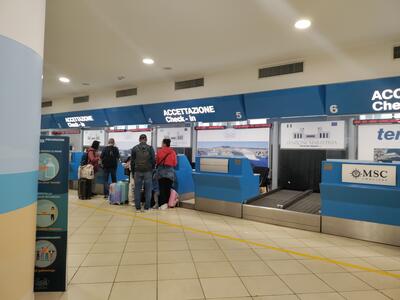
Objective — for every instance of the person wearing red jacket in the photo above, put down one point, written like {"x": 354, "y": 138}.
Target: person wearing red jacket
{"x": 166, "y": 162}
{"x": 93, "y": 159}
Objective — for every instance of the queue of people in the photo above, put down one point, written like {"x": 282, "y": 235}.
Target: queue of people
{"x": 153, "y": 174}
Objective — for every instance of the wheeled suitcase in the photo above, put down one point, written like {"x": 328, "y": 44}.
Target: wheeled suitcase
{"x": 84, "y": 188}
{"x": 115, "y": 195}
{"x": 124, "y": 191}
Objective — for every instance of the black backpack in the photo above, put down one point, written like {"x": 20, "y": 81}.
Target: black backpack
{"x": 109, "y": 157}
{"x": 142, "y": 161}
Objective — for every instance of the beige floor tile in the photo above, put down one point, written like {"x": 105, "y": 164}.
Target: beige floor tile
{"x": 75, "y": 260}
{"x": 102, "y": 259}
{"x": 357, "y": 262}
{"x": 140, "y": 246}
{"x": 174, "y": 246}
{"x": 344, "y": 282}
{"x": 267, "y": 254}
{"x": 139, "y": 258}
{"x": 229, "y": 245}
{"x": 203, "y": 245}
{"x": 287, "y": 267}
{"x": 137, "y": 273}
{"x": 321, "y": 296}
{"x": 223, "y": 287}
{"x": 265, "y": 285}
{"x": 215, "y": 269}
{"x": 112, "y": 238}
{"x": 171, "y": 236}
{"x": 392, "y": 293}
{"x": 70, "y": 273}
{"x": 288, "y": 242}
{"x": 280, "y": 297}
{"x": 93, "y": 291}
{"x": 48, "y": 295}
{"x": 176, "y": 271}
{"x": 169, "y": 229}
{"x": 180, "y": 289}
{"x": 174, "y": 256}
{"x": 108, "y": 248}
{"x": 384, "y": 263}
{"x": 317, "y": 266}
{"x": 364, "y": 295}
{"x": 208, "y": 255}
{"x": 251, "y": 268}
{"x": 235, "y": 298}
{"x": 378, "y": 281}
{"x": 83, "y": 248}
{"x": 144, "y": 290}
{"x": 306, "y": 283}
{"x": 89, "y": 230}
{"x": 241, "y": 254}
{"x": 197, "y": 236}
{"x": 142, "y": 237}
{"x": 117, "y": 230}
{"x": 334, "y": 252}
{"x": 362, "y": 251}
{"x": 83, "y": 238}
{"x": 95, "y": 274}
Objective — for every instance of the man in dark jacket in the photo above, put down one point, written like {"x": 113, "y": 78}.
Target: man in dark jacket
{"x": 142, "y": 165}
{"x": 109, "y": 159}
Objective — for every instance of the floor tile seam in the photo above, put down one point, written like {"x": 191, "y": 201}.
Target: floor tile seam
{"x": 197, "y": 272}
{"x": 315, "y": 273}
{"x": 328, "y": 260}
{"x": 337, "y": 291}
{"x": 342, "y": 294}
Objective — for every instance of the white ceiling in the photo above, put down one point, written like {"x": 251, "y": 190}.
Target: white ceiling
{"x": 95, "y": 41}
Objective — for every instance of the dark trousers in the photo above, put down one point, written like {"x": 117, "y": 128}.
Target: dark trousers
{"x": 107, "y": 173}
{"x": 165, "y": 185}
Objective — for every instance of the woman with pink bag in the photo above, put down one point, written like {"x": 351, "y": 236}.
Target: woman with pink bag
{"x": 166, "y": 162}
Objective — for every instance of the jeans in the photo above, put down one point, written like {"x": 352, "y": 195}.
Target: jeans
{"x": 106, "y": 174}
{"x": 165, "y": 185}
{"x": 145, "y": 178}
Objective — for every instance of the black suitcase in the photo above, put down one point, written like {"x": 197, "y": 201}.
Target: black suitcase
{"x": 84, "y": 188}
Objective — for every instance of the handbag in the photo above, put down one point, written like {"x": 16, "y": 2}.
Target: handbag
{"x": 86, "y": 171}
{"x": 156, "y": 174}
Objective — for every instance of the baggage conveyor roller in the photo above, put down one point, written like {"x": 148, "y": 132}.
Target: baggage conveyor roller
{"x": 297, "y": 209}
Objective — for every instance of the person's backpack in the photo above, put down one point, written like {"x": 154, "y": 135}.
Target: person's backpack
{"x": 143, "y": 159}
{"x": 109, "y": 159}
{"x": 84, "y": 159}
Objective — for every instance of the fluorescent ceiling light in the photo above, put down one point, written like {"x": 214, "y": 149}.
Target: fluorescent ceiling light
{"x": 64, "y": 79}
{"x": 148, "y": 61}
{"x": 302, "y": 24}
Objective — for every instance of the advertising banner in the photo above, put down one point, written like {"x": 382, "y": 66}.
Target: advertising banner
{"x": 52, "y": 215}
{"x": 180, "y": 136}
{"x": 379, "y": 142}
{"x": 369, "y": 174}
{"x": 217, "y": 109}
{"x": 252, "y": 143}
{"x": 375, "y": 96}
{"x": 94, "y": 135}
{"x": 313, "y": 135}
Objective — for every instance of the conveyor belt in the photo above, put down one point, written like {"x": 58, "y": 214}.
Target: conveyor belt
{"x": 281, "y": 197}
{"x": 310, "y": 204}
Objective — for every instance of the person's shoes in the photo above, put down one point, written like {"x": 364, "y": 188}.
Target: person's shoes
{"x": 105, "y": 196}
{"x": 164, "y": 206}
{"x": 94, "y": 194}
{"x": 142, "y": 209}
{"x": 138, "y": 210}
{"x": 155, "y": 206}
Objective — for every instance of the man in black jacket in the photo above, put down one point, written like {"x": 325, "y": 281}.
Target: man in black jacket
{"x": 109, "y": 159}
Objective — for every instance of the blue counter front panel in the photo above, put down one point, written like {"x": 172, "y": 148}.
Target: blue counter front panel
{"x": 184, "y": 176}
{"x": 362, "y": 202}
{"x": 238, "y": 185}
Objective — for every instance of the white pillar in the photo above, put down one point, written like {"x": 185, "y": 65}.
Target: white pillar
{"x": 21, "y": 62}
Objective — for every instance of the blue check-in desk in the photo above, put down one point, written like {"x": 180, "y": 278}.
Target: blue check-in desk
{"x": 223, "y": 184}
{"x": 361, "y": 199}
{"x": 184, "y": 178}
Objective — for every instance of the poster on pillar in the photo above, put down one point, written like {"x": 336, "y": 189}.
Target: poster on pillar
{"x": 313, "y": 135}
{"x": 52, "y": 215}
{"x": 379, "y": 142}
{"x": 252, "y": 143}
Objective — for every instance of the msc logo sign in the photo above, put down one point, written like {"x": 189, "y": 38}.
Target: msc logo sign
{"x": 369, "y": 174}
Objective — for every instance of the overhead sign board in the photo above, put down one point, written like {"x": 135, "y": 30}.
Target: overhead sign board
{"x": 369, "y": 174}
{"x": 217, "y": 109}
{"x": 364, "y": 97}
{"x": 80, "y": 119}
{"x": 126, "y": 115}
{"x": 313, "y": 135}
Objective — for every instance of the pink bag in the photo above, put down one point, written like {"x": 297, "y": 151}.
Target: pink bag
{"x": 173, "y": 198}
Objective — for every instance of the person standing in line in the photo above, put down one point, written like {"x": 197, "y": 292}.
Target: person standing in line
{"x": 142, "y": 165}
{"x": 166, "y": 162}
{"x": 109, "y": 160}
{"x": 93, "y": 159}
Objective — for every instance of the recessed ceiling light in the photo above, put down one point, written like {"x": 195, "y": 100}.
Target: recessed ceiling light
{"x": 85, "y": 83}
{"x": 64, "y": 79}
{"x": 148, "y": 61}
{"x": 167, "y": 68}
{"x": 302, "y": 24}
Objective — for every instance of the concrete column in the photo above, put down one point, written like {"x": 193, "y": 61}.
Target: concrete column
{"x": 352, "y": 139}
{"x": 21, "y": 60}
{"x": 275, "y": 154}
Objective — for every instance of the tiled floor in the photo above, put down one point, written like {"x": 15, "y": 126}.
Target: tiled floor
{"x": 113, "y": 255}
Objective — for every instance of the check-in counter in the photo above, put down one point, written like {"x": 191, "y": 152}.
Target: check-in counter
{"x": 223, "y": 184}
{"x": 361, "y": 200}
{"x": 184, "y": 179}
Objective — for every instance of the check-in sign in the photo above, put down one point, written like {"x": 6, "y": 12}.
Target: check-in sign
{"x": 369, "y": 174}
